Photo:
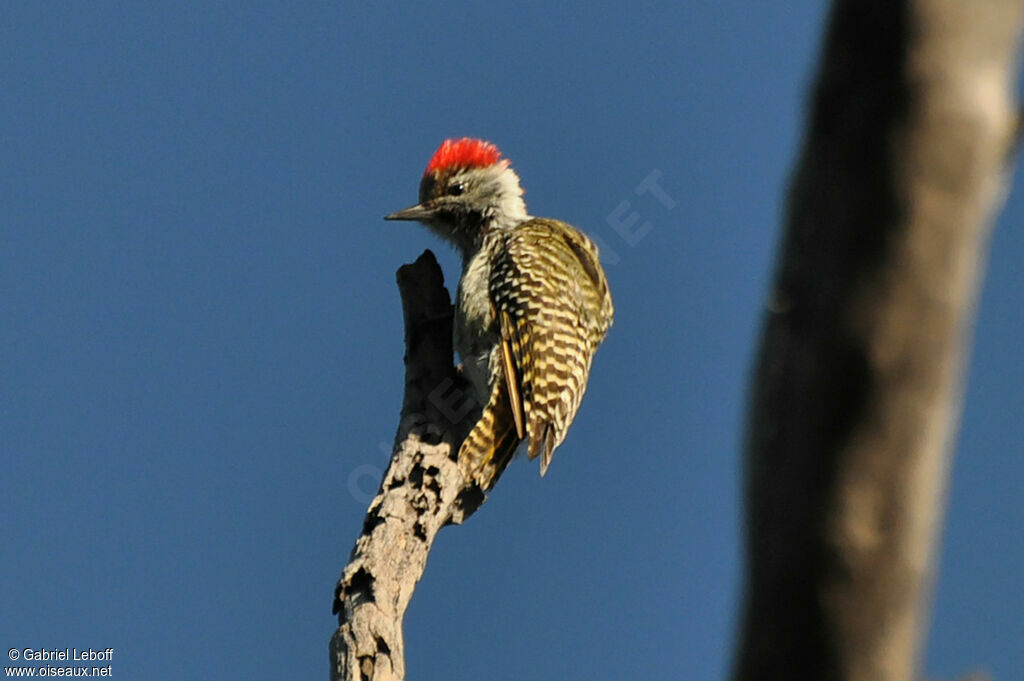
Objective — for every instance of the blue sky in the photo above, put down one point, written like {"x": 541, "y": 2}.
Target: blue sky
{"x": 201, "y": 337}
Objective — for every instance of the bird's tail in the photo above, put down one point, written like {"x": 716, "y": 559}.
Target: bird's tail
{"x": 489, "y": 447}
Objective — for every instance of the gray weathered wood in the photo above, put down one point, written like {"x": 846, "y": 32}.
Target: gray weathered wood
{"x": 422, "y": 491}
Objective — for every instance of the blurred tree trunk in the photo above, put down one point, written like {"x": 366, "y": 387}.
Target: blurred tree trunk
{"x": 858, "y": 382}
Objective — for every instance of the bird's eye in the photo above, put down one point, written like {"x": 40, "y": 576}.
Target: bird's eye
{"x": 456, "y": 189}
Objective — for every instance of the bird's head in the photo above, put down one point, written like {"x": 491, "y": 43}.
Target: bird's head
{"x": 466, "y": 190}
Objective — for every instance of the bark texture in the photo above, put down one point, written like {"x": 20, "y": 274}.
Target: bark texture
{"x": 422, "y": 491}
{"x": 858, "y": 381}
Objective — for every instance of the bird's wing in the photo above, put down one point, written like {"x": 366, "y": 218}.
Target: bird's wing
{"x": 510, "y": 349}
{"x": 553, "y": 308}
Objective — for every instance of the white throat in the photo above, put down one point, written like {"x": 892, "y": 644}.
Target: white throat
{"x": 508, "y": 208}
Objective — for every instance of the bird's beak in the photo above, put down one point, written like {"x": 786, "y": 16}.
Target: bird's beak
{"x": 417, "y": 212}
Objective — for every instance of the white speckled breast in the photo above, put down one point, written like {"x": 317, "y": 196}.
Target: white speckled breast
{"x": 475, "y": 336}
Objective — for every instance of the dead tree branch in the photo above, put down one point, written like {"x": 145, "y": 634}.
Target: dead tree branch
{"x": 422, "y": 491}
{"x": 859, "y": 376}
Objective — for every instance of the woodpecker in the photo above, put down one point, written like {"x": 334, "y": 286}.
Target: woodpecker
{"x": 531, "y": 309}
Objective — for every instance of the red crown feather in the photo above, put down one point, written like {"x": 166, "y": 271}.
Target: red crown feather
{"x": 463, "y": 153}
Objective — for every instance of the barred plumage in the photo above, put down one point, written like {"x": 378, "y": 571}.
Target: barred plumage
{"x": 532, "y": 308}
